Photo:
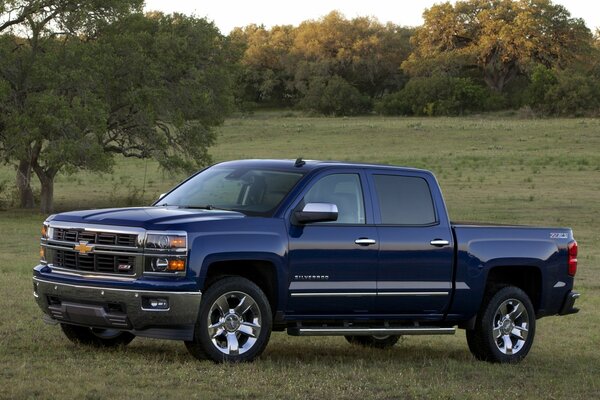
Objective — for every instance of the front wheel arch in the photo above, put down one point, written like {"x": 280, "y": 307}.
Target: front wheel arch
{"x": 262, "y": 273}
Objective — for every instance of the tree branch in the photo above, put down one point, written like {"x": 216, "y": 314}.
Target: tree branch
{"x": 21, "y": 18}
{"x": 129, "y": 151}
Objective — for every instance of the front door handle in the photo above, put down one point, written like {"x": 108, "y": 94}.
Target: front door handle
{"x": 439, "y": 242}
{"x": 365, "y": 241}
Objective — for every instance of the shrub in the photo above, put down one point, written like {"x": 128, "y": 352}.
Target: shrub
{"x": 437, "y": 95}
{"x": 334, "y": 96}
{"x": 563, "y": 93}
{"x": 574, "y": 95}
{"x": 542, "y": 79}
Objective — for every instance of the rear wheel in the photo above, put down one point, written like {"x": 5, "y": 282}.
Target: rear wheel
{"x": 377, "y": 341}
{"x": 505, "y": 327}
{"x": 96, "y": 336}
{"x": 234, "y": 322}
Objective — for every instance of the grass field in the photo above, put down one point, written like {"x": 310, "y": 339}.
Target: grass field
{"x": 491, "y": 169}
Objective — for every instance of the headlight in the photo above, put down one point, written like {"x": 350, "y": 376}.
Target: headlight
{"x": 165, "y": 242}
{"x": 165, "y": 252}
{"x": 47, "y": 231}
{"x": 46, "y": 234}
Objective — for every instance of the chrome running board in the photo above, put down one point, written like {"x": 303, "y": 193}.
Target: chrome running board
{"x": 341, "y": 331}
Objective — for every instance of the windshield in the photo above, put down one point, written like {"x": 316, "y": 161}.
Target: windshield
{"x": 250, "y": 191}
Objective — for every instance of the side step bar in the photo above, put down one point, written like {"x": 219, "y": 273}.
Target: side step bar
{"x": 333, "y": 331}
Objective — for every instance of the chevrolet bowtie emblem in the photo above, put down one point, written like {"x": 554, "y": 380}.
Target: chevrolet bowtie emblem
{"x": 83, "y": 248}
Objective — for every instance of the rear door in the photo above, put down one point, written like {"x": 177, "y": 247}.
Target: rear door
{"x": 415, "y": 264}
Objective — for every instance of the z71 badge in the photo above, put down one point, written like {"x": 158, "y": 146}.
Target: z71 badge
{"x": 556, "y": 235}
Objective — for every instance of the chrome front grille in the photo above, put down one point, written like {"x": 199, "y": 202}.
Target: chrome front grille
{"x": 95, "y": 249}
{"x": 106, "y": 238}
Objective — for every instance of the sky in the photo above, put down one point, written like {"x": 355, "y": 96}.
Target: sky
{"x": 227, "y": 14}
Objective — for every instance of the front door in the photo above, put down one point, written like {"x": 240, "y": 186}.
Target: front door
{"x": 333, "y": 265}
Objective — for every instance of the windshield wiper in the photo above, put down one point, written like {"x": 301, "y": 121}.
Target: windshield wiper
{"x": 206, "y": 207}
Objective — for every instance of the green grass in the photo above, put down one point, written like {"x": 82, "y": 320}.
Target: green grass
{"x": 544, "y": 172}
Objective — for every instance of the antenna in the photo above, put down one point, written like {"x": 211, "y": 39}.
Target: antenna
{"x": 299, "y": 162}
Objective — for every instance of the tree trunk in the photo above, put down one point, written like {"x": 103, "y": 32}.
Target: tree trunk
{"x": 46, "y": 177}
{"x": 26, "y": 199}
{"x": 498, "y": 74}
{"x": 47, "y": 195}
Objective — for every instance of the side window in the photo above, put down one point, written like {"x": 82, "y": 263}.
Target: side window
{"x": 404, "y": 200}
{"x": 343, "y": 190}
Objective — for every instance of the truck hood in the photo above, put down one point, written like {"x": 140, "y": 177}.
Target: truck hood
{"x": 145, "y": 217}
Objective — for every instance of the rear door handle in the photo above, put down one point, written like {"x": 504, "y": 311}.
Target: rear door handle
{"x": 365, "y": 241}
{"x": 439, "y": 242}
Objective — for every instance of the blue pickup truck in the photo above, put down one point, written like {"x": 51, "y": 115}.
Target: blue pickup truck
{"x": 244, "y": 248}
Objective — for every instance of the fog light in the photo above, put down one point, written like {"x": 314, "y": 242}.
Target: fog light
{"x": 151, "y": 303}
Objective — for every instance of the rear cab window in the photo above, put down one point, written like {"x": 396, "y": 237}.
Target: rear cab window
{"x": 403, "y": 200}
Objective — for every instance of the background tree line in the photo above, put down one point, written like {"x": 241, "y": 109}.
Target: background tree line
{"x": 83, "y": 80}
{"x": 473, "y": 55}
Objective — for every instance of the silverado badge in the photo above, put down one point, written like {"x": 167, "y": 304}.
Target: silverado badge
{"x": 83, "y": 248}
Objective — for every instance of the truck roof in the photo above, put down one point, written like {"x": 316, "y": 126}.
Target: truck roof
{"x": 309, "y": 165}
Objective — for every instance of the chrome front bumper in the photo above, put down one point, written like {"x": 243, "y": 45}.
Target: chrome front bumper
{"x": 124, "y": 309}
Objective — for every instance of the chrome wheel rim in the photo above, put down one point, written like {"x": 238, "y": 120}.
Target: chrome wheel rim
{"x": 234, "y": 323}
{"x": 510, "y": 326}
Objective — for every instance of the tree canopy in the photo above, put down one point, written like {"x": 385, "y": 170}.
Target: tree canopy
{"x": 280, "y": 64}
{"x": 500, "y": 38}
{"x": 79, "y": 86}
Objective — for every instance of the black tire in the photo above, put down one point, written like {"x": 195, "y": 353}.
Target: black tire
{"x": 379, "y": 342}
{"x": 505, "y": 326}
{"x": 237, "y": 334}
{"x": 96, "y": 336}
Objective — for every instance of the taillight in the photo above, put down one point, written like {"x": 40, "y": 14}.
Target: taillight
{"x": 572, "y": 258}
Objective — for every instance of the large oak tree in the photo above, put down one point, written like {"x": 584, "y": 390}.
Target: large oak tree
{"x": 31, "y": 30}
{"x": 500, "y": 38}
{"x": 140, "y": 86}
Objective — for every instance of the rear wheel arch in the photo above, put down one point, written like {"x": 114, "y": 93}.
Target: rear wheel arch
{"x": 528, "y": 278}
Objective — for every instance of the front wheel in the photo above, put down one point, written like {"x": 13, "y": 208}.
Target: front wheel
{"x": 96, "y": 336}
{"x": 505, "y": 327}
{"x": 377, "y": 341}
{"x": 234, "y": 322}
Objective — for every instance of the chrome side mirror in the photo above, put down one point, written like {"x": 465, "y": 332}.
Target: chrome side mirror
{"x": 317, "y": 212}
